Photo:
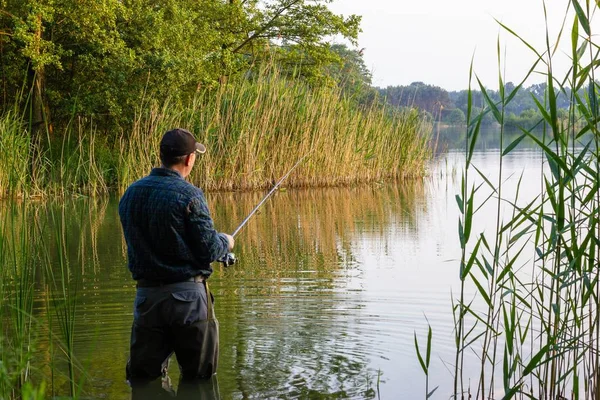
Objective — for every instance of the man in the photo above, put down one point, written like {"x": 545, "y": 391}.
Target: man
{"x": 171, "y": 242}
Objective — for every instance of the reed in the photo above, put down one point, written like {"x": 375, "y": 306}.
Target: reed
{"x": 14, "y": 147}
{"x": 37, "y": 343}
{"x": 63, "y": 290}
{"x": 18, "y": 333}
{"x": 534, "y": 322}
{"x": 426, "y": 361}
{"x": 254, "y": 129}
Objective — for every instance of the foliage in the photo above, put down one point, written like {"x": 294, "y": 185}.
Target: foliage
{"x": 436, "y": 101}
{"x": 352, "y": 75}
{"x": 454, "y": 116}
{"x": 14, "y": 147}
{"x": 100, "y": 58}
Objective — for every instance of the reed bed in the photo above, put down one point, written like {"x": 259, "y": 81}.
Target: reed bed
{"x": 16, "y": 303}
{"x": 255, "y": 129}
{"x": 534, "y": 324}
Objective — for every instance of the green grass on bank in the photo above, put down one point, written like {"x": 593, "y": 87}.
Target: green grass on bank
{"x": 255, "y": 130}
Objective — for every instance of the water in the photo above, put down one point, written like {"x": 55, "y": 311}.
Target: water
{"x": 329, "y": 289}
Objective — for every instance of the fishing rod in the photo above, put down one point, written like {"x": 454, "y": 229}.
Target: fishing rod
{"x": 229, "y": 258}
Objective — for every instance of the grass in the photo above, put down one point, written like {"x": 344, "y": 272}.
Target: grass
{"x": 14, "y": 147}
{"x": 535, "y": 321}
{"x": 255, "y": 129}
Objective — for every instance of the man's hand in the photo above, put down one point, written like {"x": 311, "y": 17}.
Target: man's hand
{"x": 230, "y": 240}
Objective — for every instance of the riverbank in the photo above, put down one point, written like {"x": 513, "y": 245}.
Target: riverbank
{"x": 254, "y": 130}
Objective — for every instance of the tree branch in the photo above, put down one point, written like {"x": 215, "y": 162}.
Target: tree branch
{"x": 267, "y": 25}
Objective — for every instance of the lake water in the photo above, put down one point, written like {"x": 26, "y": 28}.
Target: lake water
{"x": 329, "y": 288}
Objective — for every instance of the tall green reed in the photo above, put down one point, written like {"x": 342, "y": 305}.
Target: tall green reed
{"x": 14, "y": 147}
{"x": 16, "y": 301}
{"x": 538, "y": 328}
{"x": 425, "y": 362}
{"x": 62, "y": 292}
{"x": 19, "y": 327}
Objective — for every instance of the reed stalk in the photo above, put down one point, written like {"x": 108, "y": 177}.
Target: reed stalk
{"x": 64, "y": 298}
{"x": 541, "y": 326}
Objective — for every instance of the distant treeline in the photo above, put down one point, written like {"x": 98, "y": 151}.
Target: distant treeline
{"x": 450, "y": 107}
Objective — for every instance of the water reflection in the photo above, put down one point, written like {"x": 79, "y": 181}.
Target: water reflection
{"x": 454, "y": 137}
{"x": 293, "y": 315}
{"x": 297, "y": 313}
{"x": 163, "y": 389}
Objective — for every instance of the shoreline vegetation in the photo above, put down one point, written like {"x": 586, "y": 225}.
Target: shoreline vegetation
{"x": 254, "y": 129}
{"x": 89, "y": 88}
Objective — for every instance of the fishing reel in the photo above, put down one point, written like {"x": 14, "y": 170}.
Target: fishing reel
{"x": 228, "y": 260}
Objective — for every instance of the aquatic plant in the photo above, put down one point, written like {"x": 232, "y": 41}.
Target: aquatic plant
{"x": 255, "y": 128}
{"x": 534, "y": 322}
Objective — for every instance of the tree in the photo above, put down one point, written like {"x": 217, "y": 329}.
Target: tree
{"x": 455, "y": 116}
{"x": 295, "y": 32}
{"x": 103, "y": 57}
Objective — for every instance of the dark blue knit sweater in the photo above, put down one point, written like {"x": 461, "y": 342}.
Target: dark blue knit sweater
{"x": 168, "y": 229}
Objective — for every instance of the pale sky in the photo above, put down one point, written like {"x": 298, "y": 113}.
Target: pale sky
{"x": 433, "y": 41}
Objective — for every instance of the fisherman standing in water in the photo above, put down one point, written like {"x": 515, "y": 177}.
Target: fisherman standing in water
{"x": 171, "y": 242}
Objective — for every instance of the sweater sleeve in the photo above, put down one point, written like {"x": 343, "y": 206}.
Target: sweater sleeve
{"x": 207, "y": 244}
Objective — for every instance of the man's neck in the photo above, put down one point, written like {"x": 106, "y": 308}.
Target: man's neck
{"x": 177, "y": 168}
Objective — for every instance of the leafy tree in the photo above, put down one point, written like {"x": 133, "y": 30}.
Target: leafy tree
{"x": 454, "y": 116}
{"x": 103, "y": 57}
{"x": 351, "y": 74}
{"x": 294, "y": 30}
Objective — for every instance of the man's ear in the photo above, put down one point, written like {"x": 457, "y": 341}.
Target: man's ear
{"x": 188, "y": 160}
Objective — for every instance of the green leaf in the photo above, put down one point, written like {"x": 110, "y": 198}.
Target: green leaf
{"x": 482, "y": 292}
{"x": 575, "y": 40}
{"x": 551, "y": 155}
{"x": 582, "y": 17}
{"x": 428, "y": 356}
{"x": 511, "y": 393}
{"x": 471, "y": 261}
{"x": 469, "y": 216}
{"x": 473, "y": 140}
{"x": 432, "y": 392}
{"x": 460, "y": 203}
{"x": 535, "y": 360}
{"x": 419, "y": 355}
{"x": 514, "y": 144}
{"x": 492, "y": 106}
{"x": 539, "y": 56}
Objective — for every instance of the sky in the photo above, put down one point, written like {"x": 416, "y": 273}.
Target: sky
{"x": 433, "y": 41}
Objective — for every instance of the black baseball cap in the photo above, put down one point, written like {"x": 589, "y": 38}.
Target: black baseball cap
{"x": 180, "y": 142}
